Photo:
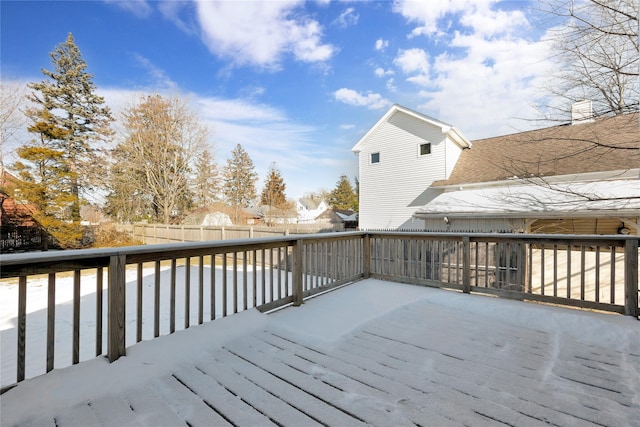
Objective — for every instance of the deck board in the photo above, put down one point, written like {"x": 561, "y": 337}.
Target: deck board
{"x": 422, "y": 364}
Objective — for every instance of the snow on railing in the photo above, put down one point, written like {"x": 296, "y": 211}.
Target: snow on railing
{"x": 56, "y": 305}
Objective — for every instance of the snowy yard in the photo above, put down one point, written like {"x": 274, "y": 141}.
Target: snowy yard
{"x": 376, "y": 353}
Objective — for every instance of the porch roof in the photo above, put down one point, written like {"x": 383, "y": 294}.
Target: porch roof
{"x": 370, "y": 353}
{"x": 616, "y": 198}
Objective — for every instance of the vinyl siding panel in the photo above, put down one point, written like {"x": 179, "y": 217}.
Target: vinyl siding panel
{"x": 393, "y": 189}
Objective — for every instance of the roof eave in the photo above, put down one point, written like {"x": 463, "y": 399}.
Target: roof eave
{"x": 599, "y": 213}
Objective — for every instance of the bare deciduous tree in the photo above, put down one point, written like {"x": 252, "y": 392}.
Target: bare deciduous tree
{"x": 595, "y": 44}
{"x": 12, "y": 119}
{"x": 155, "y": 159}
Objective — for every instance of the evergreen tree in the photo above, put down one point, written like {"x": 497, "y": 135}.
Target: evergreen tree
{"x": 343, "y": 197}
{"x": 274, "y": 187}
{"x": 70, "y": 122}
{"x": 206, "y": 186}
{"x": 275, "y": 206}
{"x": 239, "y": 181}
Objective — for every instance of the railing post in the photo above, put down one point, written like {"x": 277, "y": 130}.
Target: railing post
{"x": 466, "y": 265}
{"x": 22, "y": 326}
{"x": 296, "y": 272}
{"x": 366, "y": 256}
{"x": 631, "y": 278}
{"x": 116, "y": 307}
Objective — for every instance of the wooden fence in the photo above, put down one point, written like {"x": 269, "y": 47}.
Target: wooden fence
{"x": 169, "y": 233}
{"x": 158, "y": 289}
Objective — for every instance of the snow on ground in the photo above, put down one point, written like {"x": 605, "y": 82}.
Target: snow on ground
{"x": 372, "y": 310}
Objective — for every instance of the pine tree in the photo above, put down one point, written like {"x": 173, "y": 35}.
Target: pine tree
{"x": 343, "y": 197}
{"x": 273, "y": 193}
{"x": 273, "y": 198}
{"x": 239, "y": 181}
{"x": 65, "y": 159}
{"x": 206, "y": 187}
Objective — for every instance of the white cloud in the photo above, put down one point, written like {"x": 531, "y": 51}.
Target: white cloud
{"x": 493, "y": 22}
{"x": 347, "y": 126}
{"x": 173, "y": 11}
{"x": 381, "y": 72}
{"x": 391, "y": 85}
{"x": 140, "y": 8}
{"x": 494, "y": 75}
{"x": 160, "y": 79}
{"x": 427, "y": 13}
{"x": 347, "y": 18}
{"x": 261, "y": 33}
{"x": 382, "y": 44}
{"x": 495, "y": 83}
{"x": 416, "y": 63}
{"x": 373, "y": 101}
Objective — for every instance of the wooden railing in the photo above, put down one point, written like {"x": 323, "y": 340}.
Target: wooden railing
{"x": 157, "y": 289}
{"x": 593, "y": 272}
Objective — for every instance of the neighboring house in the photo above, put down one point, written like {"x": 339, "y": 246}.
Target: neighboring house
{"x": 309, "y": 209}
{"x": 349, "y": 218}
{"x": 19, "y": 231}
{"x": 399, "y": 158}
{"x": 577, "y": 178}
{"x": 345, "y": 219}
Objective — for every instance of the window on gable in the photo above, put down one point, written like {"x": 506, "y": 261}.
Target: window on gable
{"x": 375, "y": 157}
{"x": 425, "y": 149}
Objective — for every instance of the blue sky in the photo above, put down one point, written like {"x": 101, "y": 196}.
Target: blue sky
{"x": 297, "y": 83}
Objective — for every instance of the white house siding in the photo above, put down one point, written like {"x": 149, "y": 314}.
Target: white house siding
{"x": 393, "y": 189}
{"x": 452, "y": 153}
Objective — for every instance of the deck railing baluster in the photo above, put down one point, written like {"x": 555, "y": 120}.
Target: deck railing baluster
{"x": 99, "y": 305}
{"x": 139, "y": 303}
{"x": 51, "y": 320}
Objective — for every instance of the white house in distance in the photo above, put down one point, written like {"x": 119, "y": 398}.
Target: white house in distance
{"x": 582, "y": 177}
{"x": 399, "y": 158}
{"x": 309, "y": 209}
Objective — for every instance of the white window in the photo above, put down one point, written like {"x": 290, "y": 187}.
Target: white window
{"x": 375, "y": 157}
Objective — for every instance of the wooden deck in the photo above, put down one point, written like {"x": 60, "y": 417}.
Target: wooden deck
{"x": 421, "y": 363}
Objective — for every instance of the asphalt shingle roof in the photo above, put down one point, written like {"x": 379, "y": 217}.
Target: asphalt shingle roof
{"x": 605, "y": 144}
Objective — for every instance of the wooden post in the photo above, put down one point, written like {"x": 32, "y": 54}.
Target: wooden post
{"x": 366, "y": 256}
{"x": 116, "y": 307}
{"x": 22, "y": 326}
{"x": 466, "y": 265}
{"x": 99, "y": 308}
{"x": 297, "y": 272}
{"x": 76, "y": 318}
{"x": 631, "y": 278}
{"x": 51, "y": 320}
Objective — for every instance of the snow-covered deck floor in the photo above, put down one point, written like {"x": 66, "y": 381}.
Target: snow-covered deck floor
{"x": 373, "y": 352}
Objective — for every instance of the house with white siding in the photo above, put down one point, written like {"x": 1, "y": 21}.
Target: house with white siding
{"x": 399, "y": 158}
{"x": 581, "y": 177}
{"x": 309, "y": 209}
